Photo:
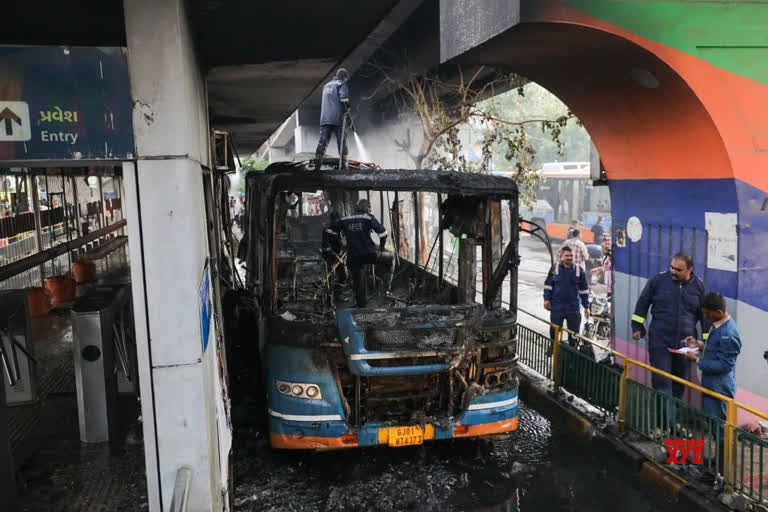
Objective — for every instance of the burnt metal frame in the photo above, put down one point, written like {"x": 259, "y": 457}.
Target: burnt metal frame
{"x": 267, "y": 185}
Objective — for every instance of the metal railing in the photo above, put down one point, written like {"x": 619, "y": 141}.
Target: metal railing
{"x": 533, "y": 350}
{"x": 596, "y": 383}
{"x": 646, "y": 411}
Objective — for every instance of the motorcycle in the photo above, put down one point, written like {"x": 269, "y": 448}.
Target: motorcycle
{"x": 598, "y": 328}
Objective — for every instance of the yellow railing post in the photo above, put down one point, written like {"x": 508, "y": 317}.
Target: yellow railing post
{"x": 729, "y": 449}
{"x": 623, "y": 394}
{"x": 556, "y": 354}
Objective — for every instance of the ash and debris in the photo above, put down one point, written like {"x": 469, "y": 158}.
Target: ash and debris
{"x": 535, "y": 468}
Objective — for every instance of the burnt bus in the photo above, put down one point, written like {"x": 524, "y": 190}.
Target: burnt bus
{"x": 424, "y": 360}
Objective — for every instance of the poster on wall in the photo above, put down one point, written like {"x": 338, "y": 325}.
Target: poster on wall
{"x": 205, "y": 306}
{"x": 722, "y": 241}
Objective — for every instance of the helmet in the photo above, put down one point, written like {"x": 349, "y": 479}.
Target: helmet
{"x": 341, "y": 74}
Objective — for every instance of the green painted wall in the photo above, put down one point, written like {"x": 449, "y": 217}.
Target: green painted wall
{"x": 732, "y": 35}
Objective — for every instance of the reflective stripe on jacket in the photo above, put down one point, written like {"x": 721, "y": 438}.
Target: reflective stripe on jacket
{"x": 357, "y": 230}
{"x": 565, "y": 287}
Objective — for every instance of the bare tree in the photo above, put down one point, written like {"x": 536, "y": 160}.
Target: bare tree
{"x": 442, "y": 107}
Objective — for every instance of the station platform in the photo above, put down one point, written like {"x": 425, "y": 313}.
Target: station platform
{"x": 55, "y": 470}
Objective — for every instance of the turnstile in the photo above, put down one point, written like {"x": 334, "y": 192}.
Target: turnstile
{"x": 17, "y": 364}
{"x": 96, "y": 352}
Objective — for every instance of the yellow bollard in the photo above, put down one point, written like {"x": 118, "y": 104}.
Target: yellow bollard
{"x": 623, "y": 394}
{"x": 729, "y": 450}
{"x": 555, "y": 355}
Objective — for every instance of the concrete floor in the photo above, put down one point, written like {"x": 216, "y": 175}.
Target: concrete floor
{"x": 56, "y": 472}
{"x": 59, "y": 473}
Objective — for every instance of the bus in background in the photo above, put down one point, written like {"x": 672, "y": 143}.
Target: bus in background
{"x": 566, "y": 193}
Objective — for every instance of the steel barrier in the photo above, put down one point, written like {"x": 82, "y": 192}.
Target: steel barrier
{"x": 653, "y": 414}
{"x": 532, "y": 349}
{"x": 598, "y": 384}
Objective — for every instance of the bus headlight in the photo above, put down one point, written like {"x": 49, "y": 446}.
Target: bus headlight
{"x": 299, "y": 390}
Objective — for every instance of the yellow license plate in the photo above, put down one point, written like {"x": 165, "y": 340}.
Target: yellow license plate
{"x": 405, "y": 436}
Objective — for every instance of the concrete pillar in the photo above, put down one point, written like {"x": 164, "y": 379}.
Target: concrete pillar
{"x": 164, "y": 205}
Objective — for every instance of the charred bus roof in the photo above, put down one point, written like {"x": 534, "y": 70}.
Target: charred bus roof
{"x": 297, "y": 179}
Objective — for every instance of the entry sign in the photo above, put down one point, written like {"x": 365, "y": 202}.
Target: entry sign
{"x": 59, "y": 103}
{"x": 14, "y": 121}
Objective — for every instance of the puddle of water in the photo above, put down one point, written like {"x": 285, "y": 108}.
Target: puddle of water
{"x": 537, "y": 468}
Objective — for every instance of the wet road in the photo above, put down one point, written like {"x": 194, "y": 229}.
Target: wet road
{"x": 537, "y": 468}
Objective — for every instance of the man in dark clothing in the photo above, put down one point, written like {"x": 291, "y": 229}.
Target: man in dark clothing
{"x": 361, "y": 250}
{"x": 717, "y": 360}
{"x": 332, "y": 246}
{"x": 675, "y": 298}
{"x": 597, "y": 231}
{"x": 334, "y": 107}
{"x": 573, "y": 227}
{"x": 566, "y": 286}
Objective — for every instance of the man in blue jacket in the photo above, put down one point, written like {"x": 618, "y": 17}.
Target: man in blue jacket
{"x": 717, "y": 358}
{"x": 675, "y": 301}
{"x": 566, "y": 286}
{"x": 361, "y": 250}
{"x": 718, "y": 354}
{"x": 335, "y": 105}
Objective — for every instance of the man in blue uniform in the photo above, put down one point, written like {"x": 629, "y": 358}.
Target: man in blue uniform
{"x": 361, "y": 249}
{"x": 332, "y": 247}
{"x": 564, "y": 288}
{"x": 334, "y": 107}
{"x": 717, "y": 358}
{"x": 675, "y": 298}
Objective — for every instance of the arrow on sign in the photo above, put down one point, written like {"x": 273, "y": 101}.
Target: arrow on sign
{"x": 8, "y": 116}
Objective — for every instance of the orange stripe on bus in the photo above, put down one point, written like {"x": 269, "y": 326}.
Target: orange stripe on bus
{"x": 296, "y": 442}
{"x": 497, "y": 427}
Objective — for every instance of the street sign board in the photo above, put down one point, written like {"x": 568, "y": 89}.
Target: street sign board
{"x": 64, "y": 103}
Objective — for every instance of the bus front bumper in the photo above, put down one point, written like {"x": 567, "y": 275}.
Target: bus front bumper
{"x": 495, "y": 414}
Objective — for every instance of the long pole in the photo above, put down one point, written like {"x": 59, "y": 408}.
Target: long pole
{"x": 102, "y": 203}
{"x": 38, "y": 225}
{"x": 66, "y": 215}
{"x": 76, "y": 208}
{"x": 343, "y": 138}
{"x": 440, "y": 254}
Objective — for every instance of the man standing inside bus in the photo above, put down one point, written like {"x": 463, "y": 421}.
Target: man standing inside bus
{"x": 361, "y": 250}
{"x": 566, "y": 287}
